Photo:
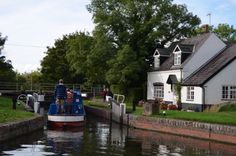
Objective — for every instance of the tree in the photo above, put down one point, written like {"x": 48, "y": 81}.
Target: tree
{"x": 97, "y": 61}
{"x": 134, "y": 28}
{"x": 6, "y": 69}
{"x": 79, "y": 48}
{"x": 55, "y": 65}
{"x": 2, "y": 42}
{"x": 225, "y": 32}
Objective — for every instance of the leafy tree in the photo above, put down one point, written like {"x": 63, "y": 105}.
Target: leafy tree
{"x": 55, "y": 65}
{"x": 134, "y": 28}
{"x": 97, "y": 61}
{"x": 6, "y": 68}
{"x": 225, "y": 32}
{"x": 2, "y": 42}
{"x": 79, "y": 48}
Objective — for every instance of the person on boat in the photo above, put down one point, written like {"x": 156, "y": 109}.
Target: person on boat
{"x": 69, "y": 101}
{"x": 60, "y": 95}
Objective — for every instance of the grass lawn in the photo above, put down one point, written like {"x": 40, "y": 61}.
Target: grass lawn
{"x": 227, "y": 118}
{"x": 7, "y": 114}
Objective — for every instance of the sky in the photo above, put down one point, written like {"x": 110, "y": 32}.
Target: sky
{"x": 32, "y": 25}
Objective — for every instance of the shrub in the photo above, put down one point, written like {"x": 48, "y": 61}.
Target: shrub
{"x": 172, "y": 107}
{"x": 228, "y": 107}
{"x": 164, "y": 106}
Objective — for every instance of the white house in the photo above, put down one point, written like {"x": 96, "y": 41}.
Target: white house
{"x": 204, "y": 66}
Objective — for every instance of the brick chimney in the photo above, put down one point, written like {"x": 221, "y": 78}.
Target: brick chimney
{"x": 205, "y": 28}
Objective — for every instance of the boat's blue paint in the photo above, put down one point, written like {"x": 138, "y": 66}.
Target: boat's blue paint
{"x": 77, "y": 105}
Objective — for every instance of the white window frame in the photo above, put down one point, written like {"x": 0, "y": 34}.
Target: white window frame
{"x": 158, "y": 91}
{"x": 228, "y": 92}
{"x": 190, "y": 93}
{"x": 177, "y": 58}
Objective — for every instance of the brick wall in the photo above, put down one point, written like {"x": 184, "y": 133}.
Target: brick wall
{"x": 14, "y": 129}
{"x": 221, "y": 133}
{"x": 216, "y": 132}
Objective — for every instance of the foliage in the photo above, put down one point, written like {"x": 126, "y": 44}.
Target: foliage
{"x": 172, "y": 107}
{"x": 228, "y": 107}
{"x": 77, "y": 55}
{"x": 2, "y": 42}
{"x": 132, "y": 30}
{"x": 225, "y": 32}
{"x": 6, "y": 69}
{"x": 7, "y": 114}
{"x": 164, "y": 106}
{"x": 55, "y": 65}
{"x": 34, "y": 76}
{"x": 69, "y": 59}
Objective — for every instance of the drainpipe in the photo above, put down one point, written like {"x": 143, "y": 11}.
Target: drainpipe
{"x": 181, "y": 79}
{"x": 203, "y": 97}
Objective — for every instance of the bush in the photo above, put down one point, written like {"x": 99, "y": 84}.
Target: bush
{"x": 164, "y": 106}
{"x": 228, "y": 107}
{"x": 172, "y": 107}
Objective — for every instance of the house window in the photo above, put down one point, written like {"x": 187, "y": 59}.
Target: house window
{"x": 177, "y": 58}
{"x": 229, "y": 92}
{"x": 159, "y": 91}
{"x": 156, "y": 61}
{"x": 190, "y": 93}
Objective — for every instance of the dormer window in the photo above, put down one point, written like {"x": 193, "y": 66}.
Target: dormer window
{"x": 156, "y": 61}
{"x": 156, "y": 57}
{"x": 177, "y": 56}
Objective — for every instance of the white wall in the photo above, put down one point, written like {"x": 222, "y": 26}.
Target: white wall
{"x": 197, "y": 95}
{"x": 213, "y": 88}
{"x": 161, "y": 76}
{"x": 211, "y": 47}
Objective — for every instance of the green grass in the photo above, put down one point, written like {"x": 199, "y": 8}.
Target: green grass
{"x": 7, "y": 114}
{"x": 227, "y": 116}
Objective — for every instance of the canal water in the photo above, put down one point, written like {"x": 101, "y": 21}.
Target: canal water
{"x": 100, "y": 137}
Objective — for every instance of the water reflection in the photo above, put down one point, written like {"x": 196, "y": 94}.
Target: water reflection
{"x": 64, "y": 142}
{"x": 102, "y": 137}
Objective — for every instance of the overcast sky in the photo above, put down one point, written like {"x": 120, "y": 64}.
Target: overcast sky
{"x": 32, "y": 25}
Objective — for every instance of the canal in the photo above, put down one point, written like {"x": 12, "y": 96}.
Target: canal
{"x": 102, "y": 137}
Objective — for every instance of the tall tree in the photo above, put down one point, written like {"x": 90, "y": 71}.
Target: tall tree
{"x": 134, "y": 28}
{"x": 2, "y": 42}
{"x": 6, "y": 68}
{"x": 55, "y": 65}
{"x": 79, "y": 48}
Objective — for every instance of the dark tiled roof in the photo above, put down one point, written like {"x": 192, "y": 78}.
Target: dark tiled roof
{"x": 163, "y": 51}
{"x": 188, "y": 45}
{"x": 167, "y": 51}
{"x": 186, "y": 48}
{"x": 197, "y": 41}
{"x": 212, "y": 67}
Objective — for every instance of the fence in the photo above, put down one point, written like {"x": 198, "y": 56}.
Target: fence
{"x": 46, "y": 87}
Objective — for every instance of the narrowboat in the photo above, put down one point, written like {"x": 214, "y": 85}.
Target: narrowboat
{"x": 75, "y": 117}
